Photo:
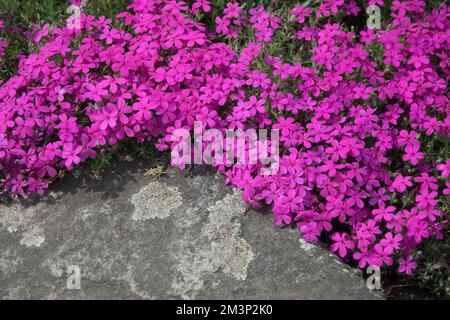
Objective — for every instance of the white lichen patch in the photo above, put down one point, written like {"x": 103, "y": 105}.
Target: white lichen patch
{"x": 306, "y": 246}
{"x": 16, "y": 218}
{"x": 155, "y": 201}
{"x": 33, "y": 237}
{"x": 218, "y": 247}
{"x": 230, "y": 252}
{"x": 103, "y": 208}
{"x": 191, "y": 217}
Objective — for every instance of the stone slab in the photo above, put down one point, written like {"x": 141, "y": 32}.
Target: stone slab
{"x": 184, "y": 235}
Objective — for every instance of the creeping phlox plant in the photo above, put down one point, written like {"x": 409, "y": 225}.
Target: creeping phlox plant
{"x": 356, "y": 111}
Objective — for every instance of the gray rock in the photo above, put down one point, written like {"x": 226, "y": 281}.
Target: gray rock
{"x": 184, "y": 235}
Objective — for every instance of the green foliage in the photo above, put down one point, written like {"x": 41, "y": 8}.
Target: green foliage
{"x": 20, "y": 16}
{"x": 434, "y": 271}
{"x": 107, "y": 8}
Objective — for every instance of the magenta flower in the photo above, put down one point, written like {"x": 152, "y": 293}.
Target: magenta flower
{"x": 341, "y": 244}
{"x": 71, "y": 154}
{"x": 310, "y": 231}
{"x": 426, "y": 199}
{"x": 407, "y": 266}
{"x": 384, "y": 213}
{"x": 390, "y": 242}
{"x": 417, "y": 230}
{"x": 222, "y": 25}
{"x": 382, "y": 255}
{"x": 406, "y": 138}
{"x": 108, "y": 117}
{"x": 444, "y": 168}
{"x": 413, "y": 154}
{"x": 301, "y": 13}
{"x": 292, "y": 199}
{"x": 110, "y": 35}
{"x": 270, "y": 194}
{"x": 283, "y": 217}
{"x": 363, "y": 256}
{"x": 205, "y": 5}
{"x": 401, "y": 183}
{"x": 68, "y": 128}
{"x": 285, "y": 125}
{"x": 42, "y": 33}
{"x": 376, "y": 3}
{"x": 447, "y": 189}
{"x": 367, "y": 36}
{"x": 232, "y": 10}
{"x": 97, "y": 91}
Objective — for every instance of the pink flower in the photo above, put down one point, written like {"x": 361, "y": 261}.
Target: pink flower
{"x": 71, "y": 154}
{"x": 110, "y": 35}
{"x": 205, "y": 5}
{"x": 232, "y": 10}
{"x": 401, "y": 183}
{"x": 413, "y": 154}
{"x": 97, "y": 91}
{"x": 341, "y": 244}
{"x": 310, "y": 231}
{"x": 447, "y": 189}
{"x": 407, "y": 266}
{"x": 384, "y": 213}
{"x": 445, "y": 168}
{"x": 407, "y": 138}
{"x": 382, "y": 255}
{"x": 367, "y": 36}
{"x": 376, "y": 3}
{"x": 426, "y": 199}
{"x": 285, "y": 125}
{"x": 67, "y": 128}
{"x": 363, "y": 256}
{"x": 390, "y": 242}
{"x": 42, "y": 33}
{"x": 222, "y": 25}
{"x": 283, "y": 217}
{"x": 417, "y": 230}
{"x": 292, "y": 199}
{"x": 301, "y": 13}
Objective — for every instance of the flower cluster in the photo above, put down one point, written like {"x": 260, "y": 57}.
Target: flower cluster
{"x": 354, "y": 112}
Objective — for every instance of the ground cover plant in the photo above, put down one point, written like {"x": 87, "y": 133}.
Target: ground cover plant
{"x": 362, "y": 114}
